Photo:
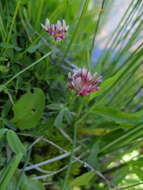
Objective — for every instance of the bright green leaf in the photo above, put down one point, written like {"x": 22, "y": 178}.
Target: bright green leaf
{"x": 83, "y": 179}
{"x": 59, "y": 119}
{"x": 120, "y": 174}
{"x": 115, "y": 115}
{"x": 2, "y": 132}
{"x": 105, "y": 85}
{"x": 28, "y": 109}
{"x": 15, "y": 143}
{"x": 9, "y": 171}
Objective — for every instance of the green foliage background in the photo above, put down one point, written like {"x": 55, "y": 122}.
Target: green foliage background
{"x": 49, "y": 137}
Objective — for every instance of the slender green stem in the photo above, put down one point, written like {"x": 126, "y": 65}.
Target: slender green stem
{"x": 122, "y": 138}
{"x": 77, "y": 26}
{"x": 22, "y": 171}
{"x": 2, "y": 29}
{"x": 40, "y": 5}
{"x": 27, "y": 68}
{"x": 11, "y": 26}
{"x": 133, "y": 185}
{"x": 10, "y": 97}
{"x": 97, "y": 25}
{"x": 70, "y": 162}
{"x": 13, "y": 20}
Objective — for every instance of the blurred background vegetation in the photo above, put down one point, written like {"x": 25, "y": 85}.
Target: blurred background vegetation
{"x": 50, "y": 138}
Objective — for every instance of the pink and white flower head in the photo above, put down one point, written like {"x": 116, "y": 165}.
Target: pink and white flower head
{"x": 57, "y": 31}
{"x": 83, "y": 82}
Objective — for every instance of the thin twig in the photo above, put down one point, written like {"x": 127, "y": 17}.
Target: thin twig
{"x": 129, "y": 186}
{"x": 97, "y": 172}
{"x": 50, "y": 160}
{"x": 35, "y": 142}
{"x": 49, "y": 175}
{"x": 44, "y": 139}
{"x": 56, "y": 172}
{"x": 25, "y": 69}
{"x": 75, "y": 158}
{"x": 42, "y": 170}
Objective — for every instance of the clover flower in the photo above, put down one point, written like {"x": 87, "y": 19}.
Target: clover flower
{"x": 57, "y": 31}
{"x": 83, "y": 82}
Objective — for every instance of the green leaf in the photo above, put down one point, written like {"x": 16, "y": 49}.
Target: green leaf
{"x": 28, "y": 184}
{"x": 59, "y": 119}
{"x": 68, "y": 116}
{"x": 33, "y": 185}
{"x": 115, "y": 115}
{"x": 4, "y": 69}
{"x": 9, "y": 171}
{"x": 83, "y": 179}
{"x": 92, "y": 158}
{"x": 63, "y": 115}
{"x": 10, "y": 46}
{"x": 105, "y": 85}
{"x": 120, "y": 174}
{"x": 2, "y": 132}
{"x": 15, "y": 143}
{"x": 137, "y": 167}
{"x": 55, "y": 106}
{"x": 3, "y": 58}
{"x": 33, "y": 48}
{"x": 28, "y": 109}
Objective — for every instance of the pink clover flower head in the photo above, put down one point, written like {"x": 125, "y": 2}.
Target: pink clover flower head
{"x": 57, "y": 31}
{"x": 83, "y": 82}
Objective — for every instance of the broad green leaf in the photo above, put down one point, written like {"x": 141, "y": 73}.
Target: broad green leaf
{"x": 28, "y": 109}
{"x": 9, "y": 171}
{"x": 115, "y": 115}
{"x": 15, "y": 143}
{"x": 83, "y": 179}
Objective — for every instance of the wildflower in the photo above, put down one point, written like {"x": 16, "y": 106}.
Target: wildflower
{"x": 57, "y": 31}
{"x": 83, "y": 82}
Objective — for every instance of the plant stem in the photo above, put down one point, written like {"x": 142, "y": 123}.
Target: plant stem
{"x": 26, "y": 68}
{"x": 77, "y": 26}
{"x": 133, "y": 185}
{"x": 13, "y": 20}
{"x": 97, "y": 26}
{"x": 12, "y": 23}
{"x": 70, "y": 162}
